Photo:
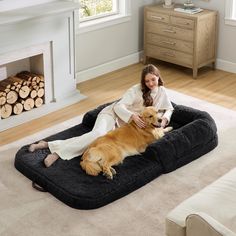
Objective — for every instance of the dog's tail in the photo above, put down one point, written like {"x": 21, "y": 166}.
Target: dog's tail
{"x": 90, "y": 162}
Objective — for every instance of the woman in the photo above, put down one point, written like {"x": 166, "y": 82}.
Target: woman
{"x": 150, "y": 92}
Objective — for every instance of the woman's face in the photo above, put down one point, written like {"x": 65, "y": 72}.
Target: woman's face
{"x": 151, "y": 81}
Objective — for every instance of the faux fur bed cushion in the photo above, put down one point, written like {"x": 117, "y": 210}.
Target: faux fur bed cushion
{"x": 194, "y": 134}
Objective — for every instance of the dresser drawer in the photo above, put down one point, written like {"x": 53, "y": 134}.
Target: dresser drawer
{"x": 183, "y": 39}
{"x": 157, "y": 17}
{"x": 169, "y": 55}
{"x": 170, "y": 31}
{"x": 171, "y": 43}
{"x": 182, "y": 22}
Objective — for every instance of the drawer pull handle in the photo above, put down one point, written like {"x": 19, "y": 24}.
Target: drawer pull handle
{"x": 169, "y": 31}
{"x": 169, "y": 54}
{"x": 157, "y": 17}
{"x": 183, "y": 23}
{"x": 167, "y": 42}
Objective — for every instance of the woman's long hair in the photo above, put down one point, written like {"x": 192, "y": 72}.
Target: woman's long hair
{"x": 147, "y": 99}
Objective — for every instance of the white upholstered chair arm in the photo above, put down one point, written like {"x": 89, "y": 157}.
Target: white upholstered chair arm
{"x": 202, "y": 224}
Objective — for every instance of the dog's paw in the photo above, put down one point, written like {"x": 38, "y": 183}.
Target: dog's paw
{"x": 168, "y": 129}
{"x": 108, "y": 175}
{"x": 113, "y": 171}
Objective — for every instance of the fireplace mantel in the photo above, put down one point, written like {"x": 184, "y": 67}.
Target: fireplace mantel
{"x": 37, "y": 11}
{"x": 43, "y": 31}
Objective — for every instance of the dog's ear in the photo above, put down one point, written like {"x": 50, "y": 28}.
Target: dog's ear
{"x": 155, "y": 109}
{"x": 141, "y": 114}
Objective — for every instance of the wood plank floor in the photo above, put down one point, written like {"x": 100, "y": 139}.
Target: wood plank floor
{"x": 214, "y": 86}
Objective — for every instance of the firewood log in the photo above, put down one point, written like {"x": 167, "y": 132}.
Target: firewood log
{"x": 4, "y": 94}
{"x": 41, "y": 84}
{"x": 3, "y": 100}
{"x": 24, "y": 91}
{"x": 38, "y": 102}
{"x": 6, "y": 110}
{"x": 4, "y": 89}
{"x": 24, "y": 75}
{"x": 41, "y": 92}
{"x": 7, "y": 90}
{"x": 15, "y": 80}
{"x": 33, "y": 93}
{"x": 12, "y": 97}
{"x": 38, "y": 79}
{"x": 28, "y": 104}
{"x": 5, "y": 84}
{"x": 17, "y": 108}
{"x": 33, "y": 83}
{"x": 36, "y": 88}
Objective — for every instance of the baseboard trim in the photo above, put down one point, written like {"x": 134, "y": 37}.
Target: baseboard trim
{"x": 105, "y": 68}
{"x": 226, "y": 65}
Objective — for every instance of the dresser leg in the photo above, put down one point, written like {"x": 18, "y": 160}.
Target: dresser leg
{"x": 213, "y": 65}
{"x": 145, "y": 59}
{"x": 195, "y": 70}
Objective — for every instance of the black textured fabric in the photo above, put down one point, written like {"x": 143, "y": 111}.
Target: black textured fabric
{"x": 194, "y": 134}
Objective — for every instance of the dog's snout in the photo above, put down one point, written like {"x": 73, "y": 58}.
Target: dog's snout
{"x": 159, "y": 120}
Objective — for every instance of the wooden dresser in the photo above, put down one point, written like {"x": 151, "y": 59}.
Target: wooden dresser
{"x": 184, "y": 39}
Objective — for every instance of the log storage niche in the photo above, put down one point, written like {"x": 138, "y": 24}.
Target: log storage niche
{"x": 20, "y": 93}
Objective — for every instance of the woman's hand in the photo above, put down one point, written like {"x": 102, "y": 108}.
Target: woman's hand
{"x": 164, "y": 122}
{"x": 138, "y": 121}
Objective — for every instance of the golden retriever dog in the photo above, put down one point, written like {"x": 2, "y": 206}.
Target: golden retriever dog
{"x": 111, "y": 149}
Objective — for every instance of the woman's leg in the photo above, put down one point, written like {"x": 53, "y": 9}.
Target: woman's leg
{"x": 40, "y": 145}
{"x": 70, "y": 148}
{"x": 50, "y": 159}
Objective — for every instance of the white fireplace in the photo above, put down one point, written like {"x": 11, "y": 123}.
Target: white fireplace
{"x": 41, "y": 39}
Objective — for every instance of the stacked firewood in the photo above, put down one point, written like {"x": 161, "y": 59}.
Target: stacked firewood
{"x": 21, "y": 92}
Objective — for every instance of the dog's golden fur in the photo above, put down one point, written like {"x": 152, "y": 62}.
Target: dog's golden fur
{"x": 112, "y": 148}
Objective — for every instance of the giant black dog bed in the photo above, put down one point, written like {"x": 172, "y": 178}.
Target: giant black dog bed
{"x": 194, "y": 134}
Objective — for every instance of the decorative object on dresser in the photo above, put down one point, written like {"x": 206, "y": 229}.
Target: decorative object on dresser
{"x": 184, "y": 39}
{"x": 188, "y": 4}
{"x": 192, "y": 10}
{"x": 168, "y": 4}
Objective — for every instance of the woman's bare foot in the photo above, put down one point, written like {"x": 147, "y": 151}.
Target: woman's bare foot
{"x": 40, "y": 145}
{"x": 50, "y": 159}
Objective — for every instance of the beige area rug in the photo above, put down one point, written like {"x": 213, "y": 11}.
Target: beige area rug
{"x": 27, "y": 212}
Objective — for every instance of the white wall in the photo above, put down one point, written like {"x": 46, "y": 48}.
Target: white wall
{"x": 107, "y": 49}
{"x": 113, "y": 47}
